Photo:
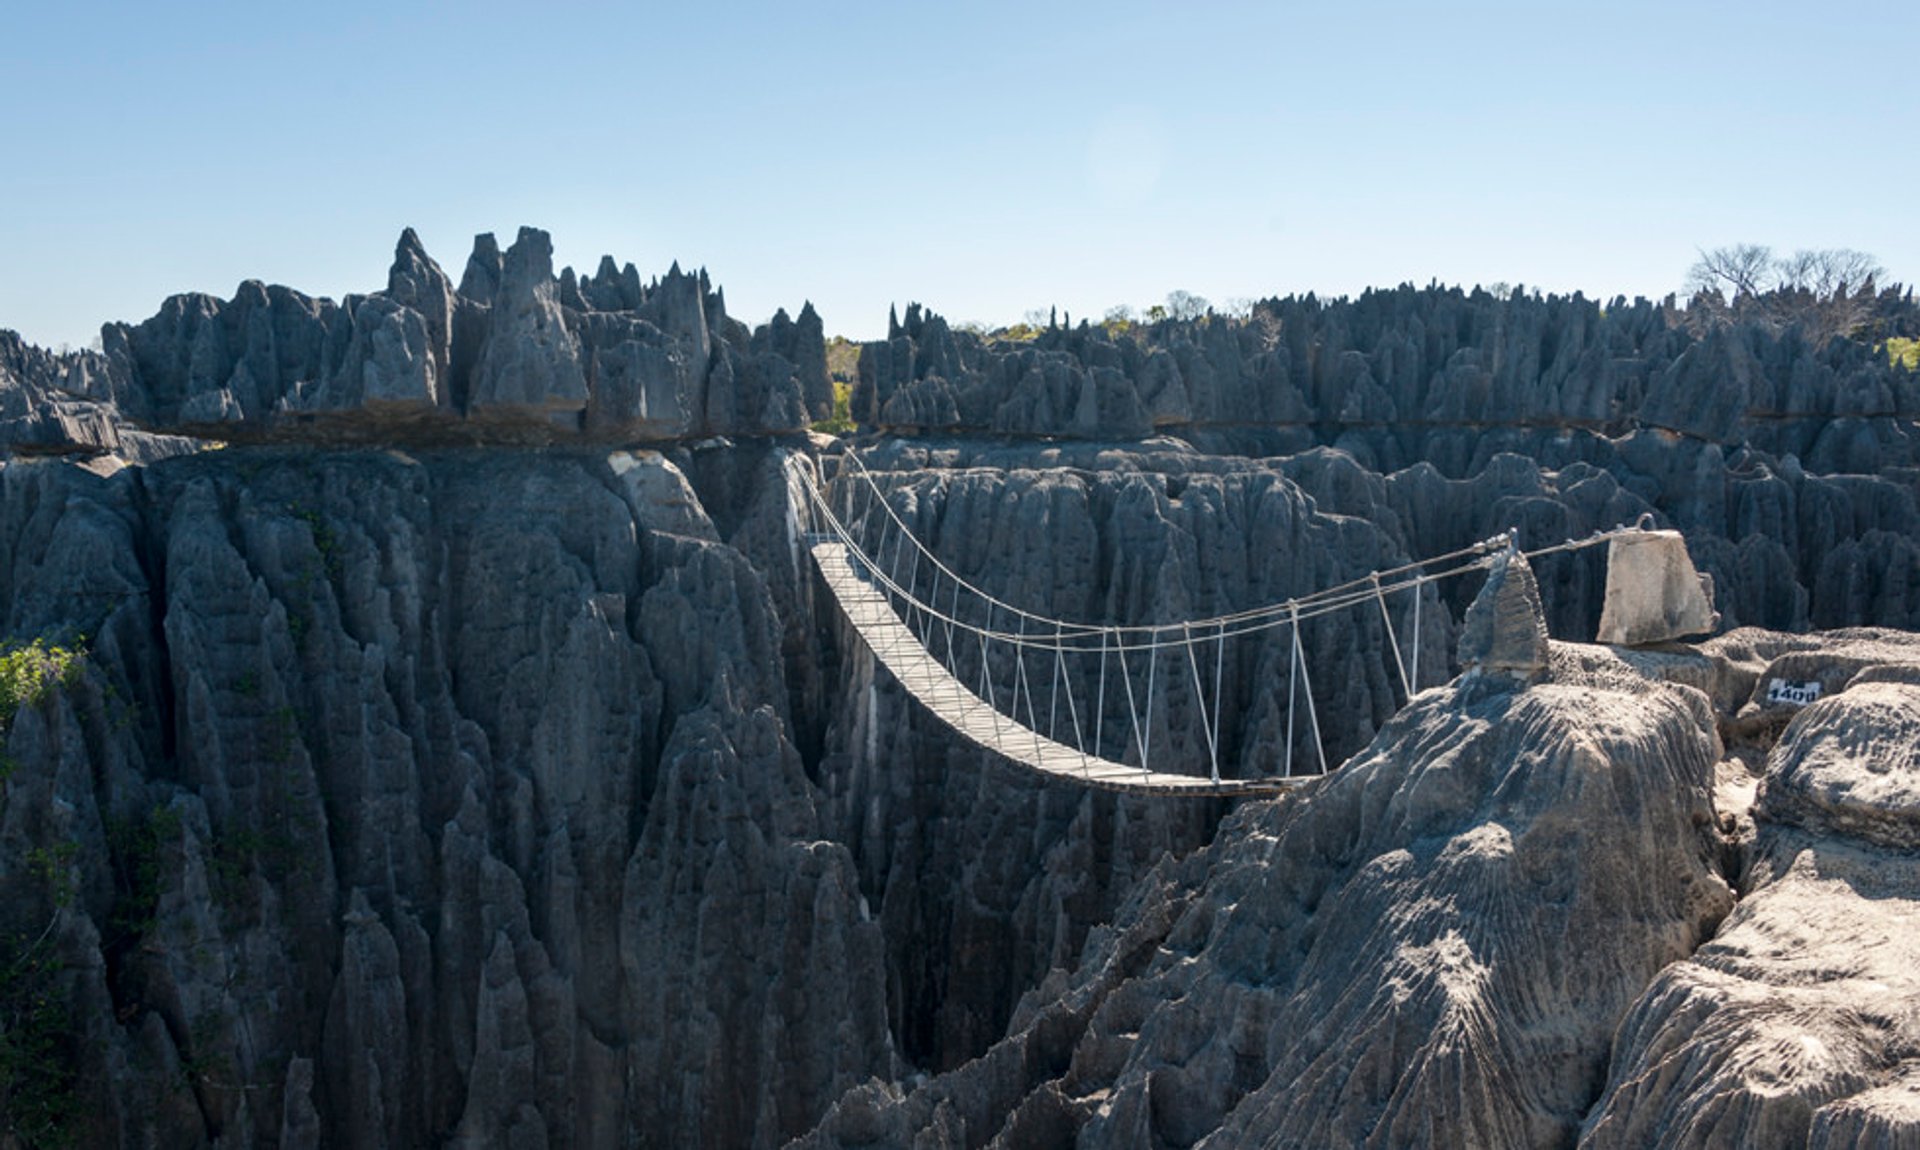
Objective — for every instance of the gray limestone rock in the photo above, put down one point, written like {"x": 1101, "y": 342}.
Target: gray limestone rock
{"x": 481, "y": 280}
{"x": 428, "y": 793}
{"x": 645, "y": 384}
{"x": 417, "y": 283}
{"x": 1504, "y": 634}
{"x": 323, "y": 739}
{"x": 515, "y": 356}
{"x": 1849, "y": 765}
{"x": 1794, "y": 1024}
{"x": 530, "y": 363}
{"x": 392, "y": 368}
{"x": 1431, "y": 948}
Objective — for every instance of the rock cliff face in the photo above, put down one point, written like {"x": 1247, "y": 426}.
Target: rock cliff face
{"x": 1795, "y": 1024}
{"x": 1430, "y": 948}
{"x": 514, "y": 354}
{"x": 396, "y": 805}
{"x": 1446, "y": 943}
{"x": 466, "y": 754}
{"x": 1408, "y": 374}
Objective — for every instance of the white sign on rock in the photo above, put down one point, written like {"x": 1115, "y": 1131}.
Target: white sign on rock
{"x": 1793, "y": 694}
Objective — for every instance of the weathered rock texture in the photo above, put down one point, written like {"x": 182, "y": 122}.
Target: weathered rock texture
{"x": 469, "y": 786}
{"x": 1653, "y": 592}
{"x": 1413, "y": 374}
{"x": 1504, "y": 634}
{"x": 514, "y": 354}
{"x": 409, "y": 799}
{"x": 1796, "y": 1025}
{"x": 1431, "y": 948}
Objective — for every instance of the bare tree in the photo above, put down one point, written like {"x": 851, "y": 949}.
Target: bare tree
{"x": 1825, "y": 290}
{"x": 1186, "y": 305}
{"x": 1828, "y": 272}
{"x": 1743, "y": 269}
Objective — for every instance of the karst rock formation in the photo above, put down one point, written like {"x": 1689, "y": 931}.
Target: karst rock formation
{"x": 461, "y": 750}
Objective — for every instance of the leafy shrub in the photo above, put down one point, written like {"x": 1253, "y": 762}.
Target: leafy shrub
{"x": 841, "y": 422}
{"x": 38, "y": 1099}
{"x": 28, "y": 671}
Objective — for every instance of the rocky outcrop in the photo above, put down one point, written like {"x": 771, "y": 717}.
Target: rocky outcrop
{"x": 434, "y": 789}
{"x": 1653, "y": 592}
{"x": 1504, "y": 634}
{"x": 1795, "y": 1024}
{"x": 1431, "y": 948}
{"x": 63, "y": 405}
{"x": 514, "y": 355}
{"x": 1160, "y": 531}
{"x": 1418, "y": 373}
{"x": 395, "y": 807}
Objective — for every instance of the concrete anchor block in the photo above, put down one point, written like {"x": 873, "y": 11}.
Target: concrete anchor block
{"x": 1653, "y": 592}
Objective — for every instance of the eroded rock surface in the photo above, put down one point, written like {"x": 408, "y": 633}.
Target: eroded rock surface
{"x": 515, "y": 355}
{"x": 419, "y": 798}
{"x": 1796, "y": 1024}
{"x": 1414, "y": 374}
{"x": 1431, "y": 948}
{"x": 456, "y": 788}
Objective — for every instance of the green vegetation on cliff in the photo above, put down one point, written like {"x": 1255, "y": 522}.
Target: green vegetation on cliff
{"x": 29, "y": 671}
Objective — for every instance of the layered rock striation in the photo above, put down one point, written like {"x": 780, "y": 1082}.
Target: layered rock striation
{"x": 1528, "y": 915}
{"x": 1410, "y": 374}
{"x": 1432, "y": 947}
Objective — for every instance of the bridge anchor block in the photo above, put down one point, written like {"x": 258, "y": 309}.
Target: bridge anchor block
{"x": 1653, "y": 592}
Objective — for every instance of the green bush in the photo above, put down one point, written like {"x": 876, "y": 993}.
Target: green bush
{"x": 1905, "y": 352}
{"x": 38, "y": 1099}
{"x": 29, "y": 671}
{"x": 841, "y": 422}
{"x": 843, "y": 367}
{"x": 134, "y": 845}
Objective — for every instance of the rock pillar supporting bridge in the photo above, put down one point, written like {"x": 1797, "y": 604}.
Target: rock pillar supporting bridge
{"x": 1038, "y": 690}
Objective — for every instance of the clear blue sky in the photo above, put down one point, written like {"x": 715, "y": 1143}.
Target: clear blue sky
{"x": 986, "y": 159}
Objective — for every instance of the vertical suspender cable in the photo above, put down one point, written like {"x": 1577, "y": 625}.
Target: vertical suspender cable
{"x": 913, "y": 596}
{"x": 1053, "y": 687}
{"x": 953, "y": 614}
{"x": 1133, "y": 713}
{"x": 1419, "y": 592}
{"x": 1200, "y": 700}
{"x": 1393, "y": 640}
{"x": 1306, "y": 683}
{"x": 1100, "y": 702}
{"x": 1073, "y": 712}
{"x": 1219, "y": 699}
{"x": 1293, "y": 676}
{"x": 1153, "y": 667}
{"x": 1020, "y": 683}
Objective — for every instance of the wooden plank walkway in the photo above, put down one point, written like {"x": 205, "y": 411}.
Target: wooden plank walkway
{"x": 897, "y": 648}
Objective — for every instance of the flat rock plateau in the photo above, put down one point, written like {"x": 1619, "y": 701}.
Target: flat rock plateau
{"x": 461, "y": 749}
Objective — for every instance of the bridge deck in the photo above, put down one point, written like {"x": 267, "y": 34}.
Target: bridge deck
{"x": 897, "y": 648}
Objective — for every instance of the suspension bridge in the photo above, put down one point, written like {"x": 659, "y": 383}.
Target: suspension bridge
{"x": 1074, "y": 700}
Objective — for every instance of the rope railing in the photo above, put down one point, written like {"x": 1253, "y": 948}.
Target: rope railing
{"x": 1482, "y": 551}
{"x": 1069, "y": 635}
{"x": 1476, "y": 556}
{"x": 1005, "y": 685}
